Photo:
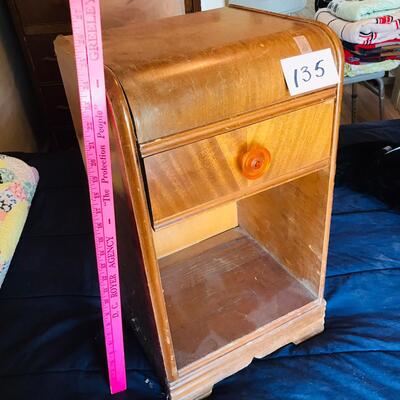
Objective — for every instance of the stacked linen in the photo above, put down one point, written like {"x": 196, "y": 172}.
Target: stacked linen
{"x": 369, "y": 30}
{"x": 355, "y": 10}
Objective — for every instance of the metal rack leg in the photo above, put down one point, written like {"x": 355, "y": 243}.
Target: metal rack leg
{"x": 354, "y": 95}
{"x": 381, "y": 93}
{"x": 377, "y": 88}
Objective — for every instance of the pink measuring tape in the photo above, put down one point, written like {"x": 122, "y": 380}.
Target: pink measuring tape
{"x": 86, "y": 26}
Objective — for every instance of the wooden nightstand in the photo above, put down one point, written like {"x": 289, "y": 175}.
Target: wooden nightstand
{"x": 223, "y": 187}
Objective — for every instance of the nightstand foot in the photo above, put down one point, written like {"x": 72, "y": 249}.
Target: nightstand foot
{"x": 198, "y": 395}
{"x": 313, "y": 330}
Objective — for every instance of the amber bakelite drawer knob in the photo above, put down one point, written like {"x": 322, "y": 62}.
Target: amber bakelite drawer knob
{"x": 255, "y": 162}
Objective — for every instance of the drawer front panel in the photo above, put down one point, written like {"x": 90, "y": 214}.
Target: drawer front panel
{"x": 207, "y": 172}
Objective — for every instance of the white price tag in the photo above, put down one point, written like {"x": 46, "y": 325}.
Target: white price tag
{"x": 310, "y": 71}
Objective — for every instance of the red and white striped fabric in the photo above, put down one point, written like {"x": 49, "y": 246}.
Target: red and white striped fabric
{"x": 367, "y": 31}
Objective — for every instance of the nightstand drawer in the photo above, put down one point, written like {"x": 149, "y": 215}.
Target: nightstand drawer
{"x": 232, "y": 165}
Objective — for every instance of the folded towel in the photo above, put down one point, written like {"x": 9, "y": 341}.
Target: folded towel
{"x": 378, "y": 48}
{"x": 379, "y": 52}
{"x": 354, "y": 10}
{"x": 350, "y": 58}
{"x": 351, "y": 70}
{"x": 357, "y": 60}
{"x": 18, "y": 183}
{"x": 372, "y": 55}
{"x": 367, "y": 31}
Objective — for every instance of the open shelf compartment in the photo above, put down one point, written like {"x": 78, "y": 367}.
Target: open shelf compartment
{"x": 233, "y": 283}
{"x": 222, "y": 289}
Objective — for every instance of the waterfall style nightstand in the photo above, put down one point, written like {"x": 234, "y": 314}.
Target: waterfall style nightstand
{"x": 223, "y": 187}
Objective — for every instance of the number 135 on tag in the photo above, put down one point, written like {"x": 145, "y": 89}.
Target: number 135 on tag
{"x": 310, "y": 71}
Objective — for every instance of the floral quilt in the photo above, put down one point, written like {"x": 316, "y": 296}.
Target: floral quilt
{"x": 18, "y": 183}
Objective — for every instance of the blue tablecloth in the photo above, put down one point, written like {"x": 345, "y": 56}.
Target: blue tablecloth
{"x": 51, "y": 343}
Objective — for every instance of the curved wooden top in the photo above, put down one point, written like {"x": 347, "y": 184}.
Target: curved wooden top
{"x": 189, "y": 71}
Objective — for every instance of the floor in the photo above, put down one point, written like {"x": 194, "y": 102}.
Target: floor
{"x": 367, "y": 106}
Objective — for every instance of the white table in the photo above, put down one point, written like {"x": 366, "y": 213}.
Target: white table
{"x": 366, "y": 79}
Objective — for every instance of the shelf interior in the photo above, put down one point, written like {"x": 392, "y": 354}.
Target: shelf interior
{"x": 222, "y": 289}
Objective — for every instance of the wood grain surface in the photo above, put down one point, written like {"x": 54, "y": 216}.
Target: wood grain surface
{"x": 233, "y": 123}
{"x": 289, "y": 221}
{"x": 197, "y": 380}
{"x": 200, "y": 90}
{"x": 201, "y": 68}
{"x": 194, "y": 229}
{"x": 216, "y": 294}
{"x": 141, "y": 291}
{"x": 190, "y": 176}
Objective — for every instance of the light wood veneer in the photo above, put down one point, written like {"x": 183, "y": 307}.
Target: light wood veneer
{"x": 191, "y": 176}
{"x": 217, "y": 269}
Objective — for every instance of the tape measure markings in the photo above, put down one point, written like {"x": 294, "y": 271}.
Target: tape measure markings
{"x": 86, "y": 26}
